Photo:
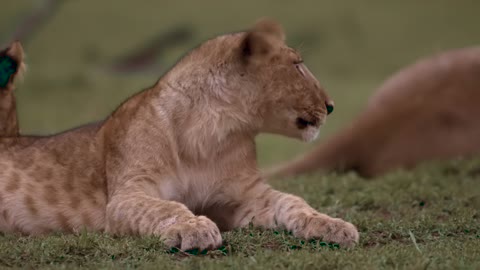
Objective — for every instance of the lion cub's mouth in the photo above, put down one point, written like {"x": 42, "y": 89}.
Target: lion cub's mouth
{"x": 303, "y": 123}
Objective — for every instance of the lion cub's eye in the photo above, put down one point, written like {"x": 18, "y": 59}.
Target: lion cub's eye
{"x": 298, "y": 66}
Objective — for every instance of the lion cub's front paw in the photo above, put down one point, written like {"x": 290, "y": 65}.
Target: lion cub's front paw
{"x": 198, "y": 232}
{"x": 328, "y": 229}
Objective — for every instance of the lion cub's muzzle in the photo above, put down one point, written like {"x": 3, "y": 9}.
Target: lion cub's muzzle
{"x": 303, "y": 123}
{"x": 315, "y": 119}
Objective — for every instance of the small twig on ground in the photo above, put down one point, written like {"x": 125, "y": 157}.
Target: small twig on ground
{"x": 414, "y": 241}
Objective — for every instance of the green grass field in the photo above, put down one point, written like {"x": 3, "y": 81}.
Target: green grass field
{"x": 428, "y": 218}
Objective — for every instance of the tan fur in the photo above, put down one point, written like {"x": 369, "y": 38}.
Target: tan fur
{"x": 426, "y": 111}
{"x": 178, "y": 160}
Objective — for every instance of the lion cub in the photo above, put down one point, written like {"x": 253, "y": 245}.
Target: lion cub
{"x": 11, "y": 67}
{"x": 178, "y": 160}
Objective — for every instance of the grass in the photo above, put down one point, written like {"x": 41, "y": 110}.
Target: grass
{"x": 427, "y": 218}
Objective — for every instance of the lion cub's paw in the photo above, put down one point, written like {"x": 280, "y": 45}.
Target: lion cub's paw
{"x": 329, "y": 230}
{"x": 198, "y": 232}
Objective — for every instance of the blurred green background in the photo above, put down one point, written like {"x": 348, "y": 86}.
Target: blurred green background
{"x": 351, "y": 46}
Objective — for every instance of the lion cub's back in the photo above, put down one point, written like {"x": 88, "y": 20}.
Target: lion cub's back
{"x": 53, "y": 184}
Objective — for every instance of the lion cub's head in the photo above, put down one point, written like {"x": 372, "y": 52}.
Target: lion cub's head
{"x": 11, "y": 68}
{"x": 11, "y": 65}
{"x": 292, "y": 101}
{"x": 256, "y": 80}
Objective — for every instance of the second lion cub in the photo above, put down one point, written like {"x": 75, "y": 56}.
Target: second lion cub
{"x": 178, "y": 159}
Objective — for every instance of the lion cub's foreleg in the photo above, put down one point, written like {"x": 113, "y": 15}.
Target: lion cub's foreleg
{"x": 133, "y": 210}
{"x": 269, "y": 208}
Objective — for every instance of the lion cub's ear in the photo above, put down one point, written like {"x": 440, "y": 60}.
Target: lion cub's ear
{"x": 263, "y": 41}
{"x": 11, "y": 65}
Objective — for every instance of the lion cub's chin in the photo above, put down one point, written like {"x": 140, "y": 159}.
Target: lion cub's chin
{"x": 310, "y": 134}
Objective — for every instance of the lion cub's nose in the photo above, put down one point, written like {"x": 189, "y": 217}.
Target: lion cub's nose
{"x": 329, "y": 104}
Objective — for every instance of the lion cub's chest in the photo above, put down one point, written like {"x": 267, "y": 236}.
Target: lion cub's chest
{"x": 196, "y": 187}
{"x": 205, "y": 192}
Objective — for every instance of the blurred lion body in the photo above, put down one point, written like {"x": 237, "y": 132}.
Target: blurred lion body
{"x": 178, "y": 160}
{"x": 426, "y": 111}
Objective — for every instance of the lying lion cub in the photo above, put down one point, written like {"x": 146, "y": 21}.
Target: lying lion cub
{"x": 178, "y": 160}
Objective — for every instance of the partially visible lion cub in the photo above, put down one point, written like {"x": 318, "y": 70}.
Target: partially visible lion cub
{"x": 11, "y": 68}
{"x": 427, "y": 111}
{"x": 178, "y": 160}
